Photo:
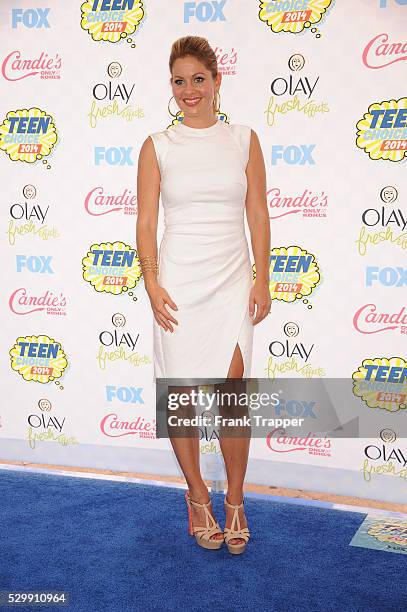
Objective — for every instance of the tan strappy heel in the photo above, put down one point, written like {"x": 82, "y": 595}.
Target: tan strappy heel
{"x": 203, "y": 534}
{"x": 232, "y": 533}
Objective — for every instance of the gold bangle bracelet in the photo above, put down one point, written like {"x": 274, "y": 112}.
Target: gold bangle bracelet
{"x": 149, "y": 268}
{"x": 148, "y": 263}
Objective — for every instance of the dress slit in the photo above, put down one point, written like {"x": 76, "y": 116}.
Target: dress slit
{"x": 242, "y": 351}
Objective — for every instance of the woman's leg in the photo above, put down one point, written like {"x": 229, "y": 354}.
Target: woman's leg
{"x": 187, "y": 452}
{"x": 235, "y": 447}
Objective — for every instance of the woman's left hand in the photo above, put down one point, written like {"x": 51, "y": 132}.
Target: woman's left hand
{"x": 259, "y": 296}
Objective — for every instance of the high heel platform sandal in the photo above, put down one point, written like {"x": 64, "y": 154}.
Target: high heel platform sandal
{"x": 203, "y": 534}
{"x": 232, "y": 533}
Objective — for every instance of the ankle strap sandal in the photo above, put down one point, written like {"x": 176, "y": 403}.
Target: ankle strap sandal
{"x": 236, "y": 531}
{"x": 203, "y": 534}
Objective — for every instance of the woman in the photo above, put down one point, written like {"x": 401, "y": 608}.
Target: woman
{"x": 208, "y": 172}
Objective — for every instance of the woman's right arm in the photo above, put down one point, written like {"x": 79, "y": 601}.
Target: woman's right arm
{"x": 148, "y": 194}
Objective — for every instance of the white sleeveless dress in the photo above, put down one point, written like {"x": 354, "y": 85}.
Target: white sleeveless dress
{"x": 204, "y": 261}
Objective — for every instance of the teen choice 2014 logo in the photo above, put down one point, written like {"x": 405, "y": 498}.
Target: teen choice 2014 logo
{"x": 382, "y": 133}
{"x": 293, "y": 273}
{"x": 293, "y": 15}
{"x": 112, "y": 267}
{"x": 28, "y": 135}
{"x": 38, "y": 358}
{"x": 392, "y": 531}
{"x": 112, "y": 20}
{"x": 382, "y": 383}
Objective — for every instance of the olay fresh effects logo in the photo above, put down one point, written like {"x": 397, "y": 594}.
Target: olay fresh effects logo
{"x": 381, "y": 382}
{"x": 17, "y": 66}
{"x": 39, "y": 359}
{"x": 388, "y": 435}
{"x": 294, "y": 16}
{"x": 112, "y": 98}
{"x": 27, "y": 219}
{"x": 227, "y": 60}
{"x": 209, "y": 448}
{"x": 385, "y": 458}
{"x": 382, "y": 133}
{"x": 112, "y": 267}
{"x": 294, "y": 274}
{"x": 310, "y": 205}
{"x": 113, "y": 426}
{"x": 381, "y": 52}
{"x": 25, "y": 301}
{"x": 28, "y": 135}
{"x": 293, "y": 93}
{"x": 370, "y": 319}
{"x": 290, "y": 348}
{"x": 119, "y": 345}
{"x": 278, "y": 442}
{"x": 114, "y": 21}
{"x": 383, "y": 223}
{"x": 377, "y": 453}
{"x": 208, "y": 433}
{"x": 291, "y": 355}
{"x": 47, "y": 428}
{"x": 98, "y": 203}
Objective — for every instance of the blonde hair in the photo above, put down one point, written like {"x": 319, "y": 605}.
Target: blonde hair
{"x": 198, "y": 47}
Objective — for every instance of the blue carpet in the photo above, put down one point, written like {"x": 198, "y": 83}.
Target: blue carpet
{"x": 123, "y": 546}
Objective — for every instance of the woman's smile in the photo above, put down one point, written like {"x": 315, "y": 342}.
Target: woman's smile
{"x": 192, "y": 101}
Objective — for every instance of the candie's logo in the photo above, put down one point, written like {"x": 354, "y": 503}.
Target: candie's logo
{"x": 382, "y": 133}
{"x": 279, "y": 442}
{"x": 382, "y": 383}
{"x": 28, "y": 135}
{"x": 380, "y": 53}
{"x": 38, "y": 358}
{"x": 25, "y": 301}
{"x": 227, "y": 61}
{"x": 113, "y": 426}
{"x": 17, "y": 66}
{"x": 370, "y": 319}
{"x": 308, "y": 204}
{"x": 112, "y": 20}
{"x": 293, "y": 15}
{"x": 112, "y": 267}
{"x": 294, "y": 273}
{"x": 98, "y": 203}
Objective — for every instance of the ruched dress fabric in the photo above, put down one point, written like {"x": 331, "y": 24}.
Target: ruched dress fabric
{"x": 204, "y": 260}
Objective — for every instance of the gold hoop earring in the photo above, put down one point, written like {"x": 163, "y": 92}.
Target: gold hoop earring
{"x": 216, "y": 110}
{"x": 169, "y": 110}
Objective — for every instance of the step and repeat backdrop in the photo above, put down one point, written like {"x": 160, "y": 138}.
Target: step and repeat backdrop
{"x": 323, "y": 83}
